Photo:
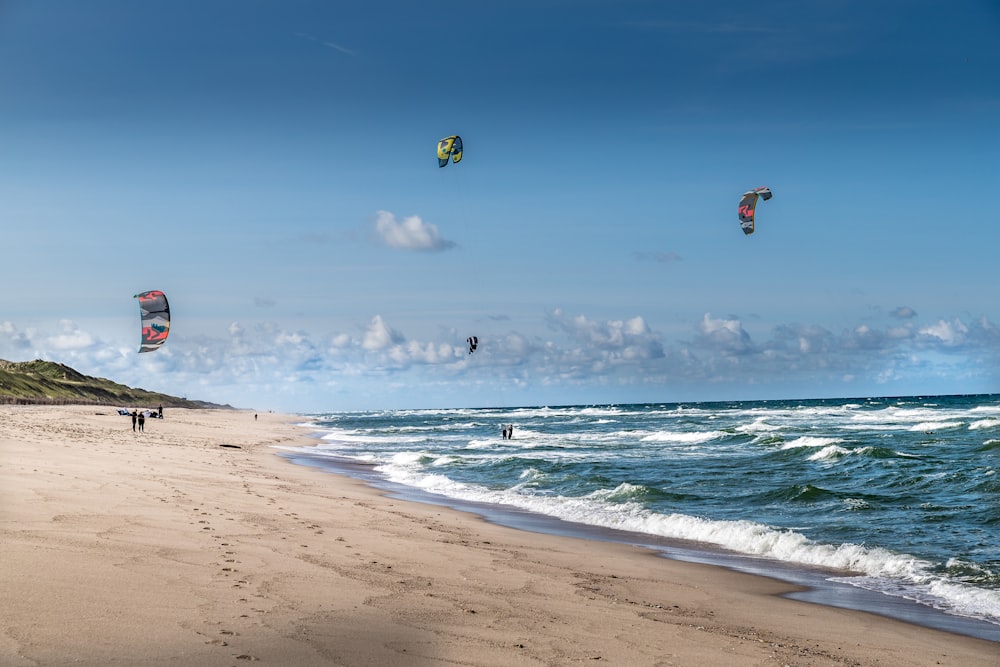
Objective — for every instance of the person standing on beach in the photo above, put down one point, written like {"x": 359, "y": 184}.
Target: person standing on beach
{"x": 142, "y": 421}
{"x": 134, "y": 415}
{"x": 161, "y": 412}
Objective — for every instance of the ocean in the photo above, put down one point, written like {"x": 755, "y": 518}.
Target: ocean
{"x": 894, "y": 499}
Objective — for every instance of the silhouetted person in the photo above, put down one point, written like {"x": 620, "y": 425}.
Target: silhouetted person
{"x": 134, "y": 414}
{"x": 142, "y": 421}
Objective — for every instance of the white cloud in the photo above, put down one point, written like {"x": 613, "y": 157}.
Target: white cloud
{"x": 12, "y": 338}
{"x": 70, "y": 338}
{"x": 723, "y": 334}
{"x": 949, "y": 333}
{"x": 411, "y": 233}
{"x": 426, "y": 353}
{"x": 340, "y": 341}
{"x": 380, "y": 335}
{"x": 342, "y": 49}
{"x": 899, "y": 332}
{"x": 609, "y": 340}
{"x": 327, "y": 43}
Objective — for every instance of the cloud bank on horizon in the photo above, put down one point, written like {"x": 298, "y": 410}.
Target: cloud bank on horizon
{"x": 376, "y": 365}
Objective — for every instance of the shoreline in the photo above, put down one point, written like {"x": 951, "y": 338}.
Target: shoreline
{"x": 813, "y": 583}
{"x": 195, "y": 544}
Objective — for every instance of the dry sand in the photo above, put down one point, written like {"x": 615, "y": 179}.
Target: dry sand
{"x": 165, "y": 547}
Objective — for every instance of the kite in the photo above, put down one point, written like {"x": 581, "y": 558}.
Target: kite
{"x": 473, "y": 342}
{"x": 747, "y": 205}
{"x": 155, "y": 314}
{"x": 450, "y": 147}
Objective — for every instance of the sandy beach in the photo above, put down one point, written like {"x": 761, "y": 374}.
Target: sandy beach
{"x": 194, "y": 543}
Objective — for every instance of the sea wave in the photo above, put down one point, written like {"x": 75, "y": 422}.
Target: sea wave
{"x": 688, "y": 437}
{"x": 810, "y": 441}
{"x": 932, "y": 426}
{"x": 829, "y": 453}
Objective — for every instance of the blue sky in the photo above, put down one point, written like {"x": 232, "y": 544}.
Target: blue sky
{"x": 271, "y": 167}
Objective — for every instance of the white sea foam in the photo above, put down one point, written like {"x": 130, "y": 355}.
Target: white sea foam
{"x": 932, "y": 591}
{"x": 688, "y": 437}
{"x": 367, "y": 438}
{"x": 602, "y": 412}
{"x": 406, "y": 459}
{"x": 531, "y": 474}
{"x": 829, "y": 453}
{"x": 484, "y": 443}
{"x": 984, "y": 424}
{"x": 810, "y": 441}
{"x": 868, "y": 427}
{"x": 856, "y": 503}
{"x": 758, "y": 426}
{"x": 622, "y": 493}
{"x": 930, "y": 427}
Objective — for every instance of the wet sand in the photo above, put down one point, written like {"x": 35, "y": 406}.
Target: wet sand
{"x": 195, "y": 544}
